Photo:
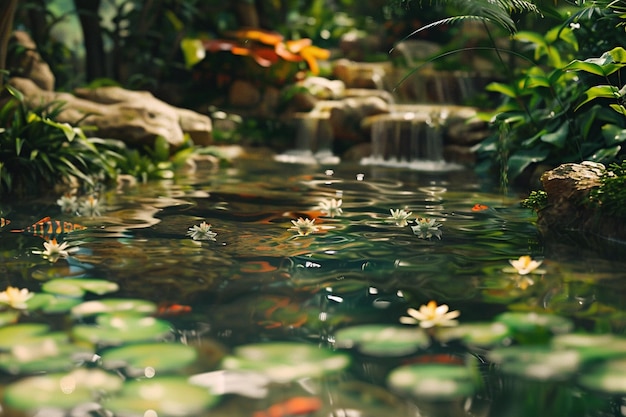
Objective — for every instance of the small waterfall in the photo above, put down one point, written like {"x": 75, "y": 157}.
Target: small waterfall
{"x": 314, "y": 139}
{"x": 410, "y": 136}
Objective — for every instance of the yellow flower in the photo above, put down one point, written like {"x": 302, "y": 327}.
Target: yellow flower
{"x": 431, "y": 315}
{"x": 524, "y": 265}
{"x": 304, "y": 226}
{"x": 15, "y": 298}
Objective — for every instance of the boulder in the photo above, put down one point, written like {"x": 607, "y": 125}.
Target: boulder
{"x": 567, "y": 188}
{"x": 28, "y": 63}
{"x": 135, "y": 117}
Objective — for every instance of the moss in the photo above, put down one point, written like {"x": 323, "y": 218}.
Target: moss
{"x": 610, "y": 197}
{"x": 536, "y": 200}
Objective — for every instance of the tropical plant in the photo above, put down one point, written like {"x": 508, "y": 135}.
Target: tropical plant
{"x": 37, "y": 153}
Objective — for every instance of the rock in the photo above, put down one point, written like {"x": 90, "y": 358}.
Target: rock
{"x": 135, "y": 117}
{"x": 347, "y": 115}
{"x": 323, "y": 88}
{"x": 29, "y": 63}
{"x": 568, "y": 187}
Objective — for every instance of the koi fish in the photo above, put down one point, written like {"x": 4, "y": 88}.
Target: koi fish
{"x": 168, "y": 309}
{"x": 4, "y": 222}
{"x": 480, "y": 207}
{"x": 48, "y": 228}
{"x": 439, "y": 358}
{"x": 292, "y": 407}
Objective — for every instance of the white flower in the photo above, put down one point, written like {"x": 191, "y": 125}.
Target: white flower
{"x": 431, "y": 315}
{"x": 304, "y": 226}
{"x": 331, "y": 207}
{"x": 68, "y": 203}
{"x": 89, "y": 207}
{"x": 426, "y": 228}
{"x": 400, "y": 216}
{"x": 15, "y": 298}
{"x": 53, "y": 251}
{"x": 201, "y": 232}
{"x": 525, "y": 265}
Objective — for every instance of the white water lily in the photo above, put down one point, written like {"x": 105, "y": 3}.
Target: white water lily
{"x": 331, "y": 207}
{"x": 304, "y": 226}
{"x": 431, "y": 315}
{"x": 68, "y": 203}
{"x": 400, "y": 216}
{"x": 53, "y": 250}
{"x": 525, "y": 265}
{"x": 89, "y": 207}
{"x": 201, "y": 232}
{"x": 15, "y": 297}
{"x": 426, "y": 228}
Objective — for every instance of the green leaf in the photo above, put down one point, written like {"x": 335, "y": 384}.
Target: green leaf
{"x": 432, "y": 381}
{"x": 599, "y": 91}
{"x": 119, "y": 328}
{"x": 193, "y": 51}
{"x": 382, "y": 340}
{"x": 604, "y": 154}
{"x": 76, "y": 287}
{"x": 111, "y": 305}
{"x": 589, "y": 67}
{"x": 557, "y": 138}
{"x": 504, "y": 89}
{"x": 520, "y": 160}
{"x": 160, "y": 357}
{"x": 613, "y": 134}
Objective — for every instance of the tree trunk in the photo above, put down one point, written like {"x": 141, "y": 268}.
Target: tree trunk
{"x": 7, "y": 12}
{"x": 92, "y": 32}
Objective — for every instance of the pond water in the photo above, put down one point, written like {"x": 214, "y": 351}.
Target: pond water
{"x": 143, "y": 320}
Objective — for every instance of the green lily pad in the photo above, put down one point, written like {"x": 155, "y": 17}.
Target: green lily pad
{"x": 50, "y": 303}
{"x": 76, "y": 287}
{"x": 382, "y": 340}
{"x": 537, "y": 362}
{"x": 8, "y": 317}
{"x": 286, "y": 361}
{"x": 43, "y": 354}
{"x": 592, "y": 346}
{"x": 608, "y": 377}
{"x": 60, "y": 390}
{"x": 111, "y": 305}
{"x": 432, "y": 381}
{"x": 158, "y": 357}
{"x": 534, "y": 326}
{"x": 26, "y": 333}
{"x": 118, "y": 328}
{"x": 476, "y": 334}
{"x": 166, "y": 396}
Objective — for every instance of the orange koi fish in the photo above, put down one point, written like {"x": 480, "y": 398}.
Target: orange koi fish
{"x": 292, "y": 407}
{"x": 480, "y": 207}
{"x": 168, "y": 309}
{"x": 4, "y": 222}
{"x": 48, "y": 228}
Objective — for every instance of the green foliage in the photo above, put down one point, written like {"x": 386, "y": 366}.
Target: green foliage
{"x": 37, "y": 153}
{"x": 561, "y": 109}
{"x": 536, "y": 200}
{"x": 610, "y": 196}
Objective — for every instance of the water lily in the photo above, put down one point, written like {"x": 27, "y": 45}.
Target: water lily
{"x": 331, "y": 207}
{"x": 68, "y": 203}
{"x": 15, "y": 297}
{"x": 201, "y": 232}
{"x": 426, "y": 228}
{"x": 400, "y": 216}
{"x": 525, "y": 265}
{"x": 304, "y": 226}
{"x": 53, "y": 250}
{"x": 431, "y": 315}
{"x": 89, "y": 207}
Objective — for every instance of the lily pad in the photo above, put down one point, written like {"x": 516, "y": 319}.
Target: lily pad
{"x": 43, "y": 354}
{"x": 286, "y": 361}
{"x": 60, "y": 390}
{"x": 76, "y": 287}
{"x": 50, "y": 303}
{"x": 165, "y": 396}
{"x": 476, "y": 334}
{"x": 534, "y": 326}
{"x": 119, "y": 328}
{"x": 608, "y": 377}
{"x": 157, "y": 357}
{"x": 592, "y": 346}
{"x": 26, "y": 333}
{"x": 432, "y": 381}
{"x": 382, "y": 340}
{"x": 537, "y": 362}
{"x": 8, "y": 317}
{"x": 111, "y": 305}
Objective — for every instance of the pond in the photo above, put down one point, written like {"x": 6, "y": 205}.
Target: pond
{"x": 153, "y": 313}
